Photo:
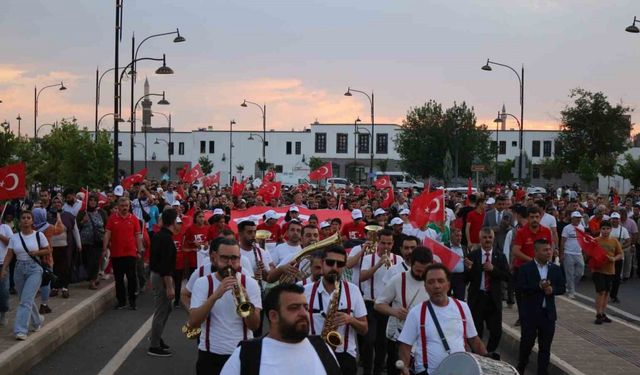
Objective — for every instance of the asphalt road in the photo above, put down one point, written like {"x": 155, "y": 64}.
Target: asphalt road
{"x": 628, "y": 295}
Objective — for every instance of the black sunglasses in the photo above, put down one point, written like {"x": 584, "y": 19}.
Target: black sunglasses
{"x": 227, "y": 258}
{"x": 333, "y": 262}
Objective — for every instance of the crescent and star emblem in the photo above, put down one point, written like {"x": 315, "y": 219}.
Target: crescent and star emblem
{"x": 16, "y": 181}
{"x": 429, "y": 210}
{"x": 326, "y": 170}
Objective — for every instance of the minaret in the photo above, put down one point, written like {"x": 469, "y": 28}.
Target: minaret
{"x": 146, "y": 107}
{"x": 504, "y": 118}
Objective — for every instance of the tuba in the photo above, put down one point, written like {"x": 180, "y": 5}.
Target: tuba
{"x": 330, "y": 333}
{"x": 244, "y": 308}
{"x": 305, "y": 254}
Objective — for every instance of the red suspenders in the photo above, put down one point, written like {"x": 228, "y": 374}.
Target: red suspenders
{"x": 404, "y": 289}
{"x": 208, "y": 328}
{"x": 243, "y": 281}
{"x": 312, "y": 299}
{"x": 347, "y": 328}
{"x": 423, "y": 332}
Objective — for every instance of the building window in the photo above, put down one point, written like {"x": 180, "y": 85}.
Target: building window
{"x": 535, "y": 149}
{"x": 535, "y": 171}
{"x": 556, "y": 148}
{"x": 171, "y": 148}
{"x": 298, "y": 148}
{"x": 212, "y": 147}
{"x": 363, "y": 143}
{"x": 503, "y": 148}
{"x": 203, "y": 147}
{"x": 342, "y": 143}
{"x": 119, "y": 143}
{"x": 180, "y": 148}
{"x": 494, "y": 146}
{"x": 336, "y": 169}
{"x": 514, "y": 143}
{"x": 382, "y": 142}
{"x": 546, "y": 149}
{"x": 288, "y": 148}
{"x": 321, "y": 142}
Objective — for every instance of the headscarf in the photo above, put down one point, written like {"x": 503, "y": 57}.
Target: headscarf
{"x": 40, "y": 219}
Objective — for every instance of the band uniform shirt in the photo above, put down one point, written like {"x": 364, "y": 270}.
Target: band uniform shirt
{"x": 392, "y": 294}
{"x": 323, "y": 299}
{"x": 355, "y": 270}
{"x": 262, "y": 254}
{"x": 396, "y": 269}
{"x": 225, "y": 326}
{"x": 205, "y": 270}
{"x": 284, "y": 251}
{"x": 377, "y": 280}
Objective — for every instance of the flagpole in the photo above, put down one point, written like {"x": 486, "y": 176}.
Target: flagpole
{"x": 3, "y": 211}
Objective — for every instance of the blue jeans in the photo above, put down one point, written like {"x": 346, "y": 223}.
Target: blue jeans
{"x": 4, "y": 293}
{"x": 28, "y": 277}
{"x": 45, "y": 291}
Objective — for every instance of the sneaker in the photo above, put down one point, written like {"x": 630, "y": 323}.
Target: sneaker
{"x": 4, "y": 319}
{"x": 598, "y": 319}
{"x": 44, "y": 309}
{"x": 21, "y": 336}
{"x": 163, "y": 345}
{"x": 65, "y": 293}
{"x": 53, "y": 293}
{"x": 606, "y": 319}
{"x": 159, "y": 352}
{"x": 571, "y": 296}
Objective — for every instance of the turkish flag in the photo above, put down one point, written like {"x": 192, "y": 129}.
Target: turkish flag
{"x": 13, "y": 181}
{"x": 183, "y": 172}
{"x": 270, "y": 190}
{"x": 596, "y": 254}
{"x": 441, "y": 253}
{"x": 357, "y": 191}
{"x": 325, "y": 171}
{"x": 382, "y": 182}
{"x": 237, "y": 188}
{"x": 520, "y": 194}
{"x": 303, "y": 187}
{"x": 211, "y": 180}
{"x": 427, "y": 207}
{"x": 137, "y": 177}
{"x": 387, "y": 198}
{"x": 268, "y": 177}
{"x": 194, "y": 174}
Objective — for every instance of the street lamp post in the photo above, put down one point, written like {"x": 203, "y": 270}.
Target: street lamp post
{"x": 487, "y": 67}
{"x": 355, "y": 145}
{"x": 373, "y": 123}
{"x": 19, "y": 120}
{"x": 36, "y": 97}
{"x": 43, "y": 125}
{"x": 358, "y": 130}
{"x": 498, "y": 121}
{"x": 263, "y": 109}
{"x": 168, "y": 117}
{"x": 162, "y": 101}
{"x": 116, "y": 94}
{"x": 231, "y": 123}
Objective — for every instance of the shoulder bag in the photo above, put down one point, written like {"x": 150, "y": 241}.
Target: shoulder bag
{"x": 47, "y": 273}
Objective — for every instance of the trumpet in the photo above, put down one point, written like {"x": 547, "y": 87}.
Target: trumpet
{"x": 244, "y": 308}
{"x": 191, "y": 332}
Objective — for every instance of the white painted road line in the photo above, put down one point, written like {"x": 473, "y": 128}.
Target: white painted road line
{"x": 617, "y": 320}
{"x": 114, "y": 364}
{"x": 618, "y": 311}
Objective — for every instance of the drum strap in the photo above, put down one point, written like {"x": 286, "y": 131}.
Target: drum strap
{"x": 443, "y": 338}
{"x": 404, "y": 289}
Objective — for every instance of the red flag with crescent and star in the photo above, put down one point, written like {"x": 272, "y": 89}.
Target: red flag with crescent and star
{"x": 383, "y": 182}
{"x": 427, "y": 207}
{"x": 325, "y": 171}
{"x": 387, "y": 198}
{"x": 137, "y": 177}
{"x": 183, "y": 172}
{"x": 596, "y": 254}
{"x": 270, "y": 190}
{"x": 211, "y": 179}
{"x": 237, "y": 188}
{"x": 303, "y": 187}
{"x": 194, "y": 174}
{"x": 13, "y": 181}
{"x": 441, "y": 253}
{"x": 268, "y": 176}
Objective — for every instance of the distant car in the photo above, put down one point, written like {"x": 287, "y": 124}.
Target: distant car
{"x": 536, "y": 190}
{"x": 461, "y": 189}
{"x": 340, "y": 183}
{"x": 402, "y": 180}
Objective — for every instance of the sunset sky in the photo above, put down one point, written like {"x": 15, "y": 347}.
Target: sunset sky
{"x": 298, "y": 57}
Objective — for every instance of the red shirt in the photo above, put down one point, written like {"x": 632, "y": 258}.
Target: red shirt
{"x": 475, "y": 220}
{"x": 214, "y": 232}
{"x": 124, "y": 232}
{"x": 525, "y": 238}
{"x": 195, "y": 233}
{"x": 353, "y": 230}
{"x": 180, "y": 255}
{"x": 276, "y": 231}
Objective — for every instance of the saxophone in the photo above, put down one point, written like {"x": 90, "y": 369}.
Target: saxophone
{"x": 329, "y": 333}
{"x": 191, "y": 332}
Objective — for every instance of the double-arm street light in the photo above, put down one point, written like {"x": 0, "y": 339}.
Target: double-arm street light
{"x": 263, "y": 109}
{"x": 162, "y": 101}
{"x": 373, "y": 123}
{"x": 105, "y": 115}
{"x": 36, "y": 97}
{"x": 487, "y": 67}
{"x": 355, "y": 144}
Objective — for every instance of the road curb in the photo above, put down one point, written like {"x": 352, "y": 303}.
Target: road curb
{"x": 25, "y": 354}
{"x": 557, "y": 366}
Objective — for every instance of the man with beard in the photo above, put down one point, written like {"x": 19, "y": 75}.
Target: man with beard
{"x": 351, "y": 318}
{"x": 401, "y": 293}
{"x": 213, "y": 308}
{"x": 409, "y": 243}
{"x": 72, "y": 205}
{"x": 259, "y": 258}
{"x": 286, "y": 250}
{"x": 287, "y": 310}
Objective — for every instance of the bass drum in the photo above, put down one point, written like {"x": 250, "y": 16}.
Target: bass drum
{"x": 463, "y": 363}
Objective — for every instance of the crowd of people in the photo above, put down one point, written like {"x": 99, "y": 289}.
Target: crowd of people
{"x": 368, "y": 290}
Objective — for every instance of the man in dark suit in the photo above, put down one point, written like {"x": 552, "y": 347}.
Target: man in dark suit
{"x": 500, "y": 220}
{"x": 539, "y": 281}
{"x": 486, "y": 269}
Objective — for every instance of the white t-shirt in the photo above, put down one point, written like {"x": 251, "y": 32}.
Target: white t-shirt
{"x": 206, "y": 270}
{"x": 392, "y": 294}
{"x": 571, "y": 245}
{"x": 284, "y": 251}
{"x": 421, "y": 234}
{"x": 549, "y": 221}
{"x": 355, "y": 270}
{"x": 32, "y": 244}
{"x": 278, "y": 357}
{"x": 449, "y": 215}
{"x": 620, "y": 233}
{"x": 451, "y": 323}
{"x": 6, "y": 231}
{"x": 369, "y": 261}
{"x": 251, "y": 256}
{"x": 507, "y": 244}
{"x": 322, "y": 298}
{"x": 225, "y": 328}
{"x": 396, "y": 269}
{"x": 202, "y": 257}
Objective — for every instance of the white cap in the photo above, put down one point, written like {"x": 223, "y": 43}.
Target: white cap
{"x": 294, "y": 209}
{"x": 175, "y": 203}
{"x": 118, "y": 191}
{"x": 576, "y": 214}
{"x": 218, "y": 211}
{"x": 615, "y": 215}
{"x": 324, "y": 224}
{"x": 159, "y": 190}
{"x": 356, "y": 214}
{"x": 491, "y": 200}
{"x": 178, "y": 220}
{"x": 605, "y": 217}
{"x": 396, "y": 221}
{"x": 379, "y": 211}
{"x": 271, "y": 214}
{"x": 80, "y": 195}
{"x": 405, "y": 211}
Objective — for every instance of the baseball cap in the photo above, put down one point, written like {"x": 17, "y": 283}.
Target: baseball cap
{"x": 379, "y": 211}
{"x": 175, "y": 203}
{"x": 615, "y": 215}
{"x": 405, "y": 211}
{"x": 324, "y": 224}
{"x": 178, "y": 220}
{"x": 491, "y": 200}
{"x": 396, "y": 221}
{"x": 294, "y": 209}
{"x": 118, "y": 191}
{"x": 576, "y": 214}
{"x": 605, "y": 217}
{"x": 218, "y": 211}
{"x": 356, "y": 214}
{"x": 271, "y": 214}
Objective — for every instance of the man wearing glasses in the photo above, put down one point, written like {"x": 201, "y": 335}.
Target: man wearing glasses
{"x": 351, "y": 318}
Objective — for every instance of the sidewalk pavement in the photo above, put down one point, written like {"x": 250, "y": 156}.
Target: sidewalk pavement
{"x": 69, "y": 316}
{"x": 581, "y": 347}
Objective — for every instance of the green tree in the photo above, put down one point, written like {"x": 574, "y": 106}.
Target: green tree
{"x": 429, "y": 132}
{"x": 551, "y": 168}
{"x": 594, "y": 133}
{"x": 383, "y": 165}
{"x": 504, "y": 170}
{"x": 630, "y": 170}
{"x": 206, "y": 164}
{"x": 315, "y": 163}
